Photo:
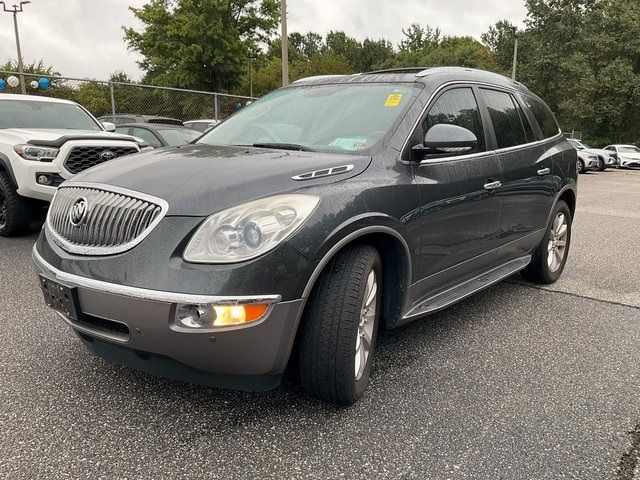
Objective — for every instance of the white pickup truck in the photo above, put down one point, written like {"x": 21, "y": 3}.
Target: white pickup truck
{"x": 44, "y": 141}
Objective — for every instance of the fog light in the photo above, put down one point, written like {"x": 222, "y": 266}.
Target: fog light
{"x": 210, "y": 316}
{"x": 44, "y": 179}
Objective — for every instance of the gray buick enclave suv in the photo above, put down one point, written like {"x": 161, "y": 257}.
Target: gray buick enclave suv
{"x": 306, "y": 222}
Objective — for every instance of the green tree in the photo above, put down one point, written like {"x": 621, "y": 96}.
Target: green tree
{"x": 200, "y": 44}
{"x": 500, "y": 40}
{"x": 418, "y": 38}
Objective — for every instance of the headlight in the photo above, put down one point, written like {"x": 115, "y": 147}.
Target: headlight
{"x": 32, "y": 152}
{"x": 249, "y": 230}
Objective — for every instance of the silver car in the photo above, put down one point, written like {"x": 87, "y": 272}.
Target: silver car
{"x": 587, "y": 161}
{"x": 605, "y": 159}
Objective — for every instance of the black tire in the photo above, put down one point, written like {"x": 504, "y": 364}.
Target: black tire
{"x": 15, "y": 211}
{"x": 601, "y": 165}
{"x": 330, "y": 326}
{"x": 581, "y": 167}
{"x": 538, "y": 270}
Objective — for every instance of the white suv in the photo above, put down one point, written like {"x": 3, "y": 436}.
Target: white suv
{"x": 44, "y": 141}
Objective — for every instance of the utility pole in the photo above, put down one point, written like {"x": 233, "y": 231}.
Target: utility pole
{"x": 251, "y": 75}
{"x": 16, "y": 9}
{"x": 515, "y": 55}
{"x": 284, "y": 39}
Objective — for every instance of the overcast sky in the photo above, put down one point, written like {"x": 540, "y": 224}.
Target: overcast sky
{"x": 83, "y": 38}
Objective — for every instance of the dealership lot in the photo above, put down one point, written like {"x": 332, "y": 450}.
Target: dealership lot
{"x": 516, "y": 382}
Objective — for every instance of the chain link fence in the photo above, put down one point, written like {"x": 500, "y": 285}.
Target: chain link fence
{"x": 120, "y": 99}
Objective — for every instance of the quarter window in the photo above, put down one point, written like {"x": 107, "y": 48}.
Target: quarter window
{"x": 505, "y": 118}
{"x": 457, "y": 107}
{"x": 543, "y": 116}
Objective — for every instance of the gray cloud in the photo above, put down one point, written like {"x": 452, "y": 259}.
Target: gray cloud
{"x": 83, "y": 38}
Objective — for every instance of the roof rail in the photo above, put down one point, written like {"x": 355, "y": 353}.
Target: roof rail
{"x": 317, "y": 77}
{"x": 397, "y": 70}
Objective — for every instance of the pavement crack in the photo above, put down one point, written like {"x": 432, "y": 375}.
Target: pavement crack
{"x": 575, "y": 295}
{"x": 629, "y": 465}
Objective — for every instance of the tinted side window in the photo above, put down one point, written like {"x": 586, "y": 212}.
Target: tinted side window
{"x": 147, "y": 136}
{"x": 457, "y": 107}
{"x": 528, "y": 129}
{"x": 505, "y": 118}
{"x": 543, "y": 116}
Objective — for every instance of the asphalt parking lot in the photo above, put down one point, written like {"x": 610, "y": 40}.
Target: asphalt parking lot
{"x": 517, "y": 382}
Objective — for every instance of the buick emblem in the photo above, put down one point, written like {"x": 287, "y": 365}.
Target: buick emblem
{"x": 78, "y": 211}
{"x": 107, "y": 155}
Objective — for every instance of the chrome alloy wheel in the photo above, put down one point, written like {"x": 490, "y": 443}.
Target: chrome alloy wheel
{"x": 557, "y": 248}
{"x": 364, "y": 337}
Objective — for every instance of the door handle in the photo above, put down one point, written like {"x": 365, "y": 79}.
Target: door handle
{"x": 544, "y": 171}
{"x": 492, "y": 185}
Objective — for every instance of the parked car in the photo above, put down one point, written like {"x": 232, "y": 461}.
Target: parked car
{"x": 158, "y": 135}
{"x": 123, "y": 118}
{"x": 44, "y": 141}
{"x": 604, "y": 159}
{"x": 626, "y": 155}
{"x": 315, "y": 216}
{"x": 587, "y": 161}
{"x": 201, "y": 125}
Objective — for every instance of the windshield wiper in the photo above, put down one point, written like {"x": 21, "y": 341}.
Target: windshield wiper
{"x": 284, "y": 146}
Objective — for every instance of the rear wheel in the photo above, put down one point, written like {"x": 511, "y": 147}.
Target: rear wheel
{"x": 15, "y": 211}
{"x": 550, "y": 257}
{"x": 339, "y": 329}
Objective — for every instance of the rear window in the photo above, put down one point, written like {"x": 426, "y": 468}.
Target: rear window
{"x": 543, "y": 116}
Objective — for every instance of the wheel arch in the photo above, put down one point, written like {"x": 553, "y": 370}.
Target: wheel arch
{"x": 5, "y": 166}
{"x": 568, "y": 195}
{"x": 391, "y": 246}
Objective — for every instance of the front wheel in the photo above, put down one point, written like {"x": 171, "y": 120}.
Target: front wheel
{"x": 601, "y": 165}
{"x": 581, "y": 167}
{"x": 550, "y": 257}
{"x": 339, "y": 329}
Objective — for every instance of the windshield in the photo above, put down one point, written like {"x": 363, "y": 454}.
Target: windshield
{"x": 50, "y": 115}
{"x": 178, "y": 136}
{"x": 629, "y": 149}
{"x": 339, "y": 118}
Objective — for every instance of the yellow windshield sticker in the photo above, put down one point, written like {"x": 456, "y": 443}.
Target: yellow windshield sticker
{"x": 393, "y": 100}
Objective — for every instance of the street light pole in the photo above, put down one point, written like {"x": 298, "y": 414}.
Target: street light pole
{"x": 251, "y": 76}
{"x": 515, "y": 56}
{"x": 16, "y": 9}
{"x": 284, "y": 40}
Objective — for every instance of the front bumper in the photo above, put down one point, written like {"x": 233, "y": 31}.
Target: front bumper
{"x": 133, "y": 326}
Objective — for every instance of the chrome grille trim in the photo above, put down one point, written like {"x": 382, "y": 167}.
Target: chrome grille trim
{"x": 118, "y": 218}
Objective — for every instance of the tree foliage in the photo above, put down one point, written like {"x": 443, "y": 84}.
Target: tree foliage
{"x": 200, "y": 44}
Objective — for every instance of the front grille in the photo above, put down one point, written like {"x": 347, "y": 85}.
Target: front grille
{"x": 108, "y": 222}
{"x": 81, "y": 158}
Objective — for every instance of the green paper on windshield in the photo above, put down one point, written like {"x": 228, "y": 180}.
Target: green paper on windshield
{"x": 349, "y": 143}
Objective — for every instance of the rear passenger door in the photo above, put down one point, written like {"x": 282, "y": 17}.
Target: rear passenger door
{"x": 528, "y": 187}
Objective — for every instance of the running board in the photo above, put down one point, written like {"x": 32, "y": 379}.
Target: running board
{"x": 467, "y": 288}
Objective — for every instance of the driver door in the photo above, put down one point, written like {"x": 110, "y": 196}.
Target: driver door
{"x": 460, "y": 205}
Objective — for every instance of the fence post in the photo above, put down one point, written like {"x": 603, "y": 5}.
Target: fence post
{"x": 215, "y": 106}
{"x": 113, "y": 102}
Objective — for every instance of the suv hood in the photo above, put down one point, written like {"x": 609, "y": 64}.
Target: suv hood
{"x": 198, "y": 180}
{"x": 26, "y": 134}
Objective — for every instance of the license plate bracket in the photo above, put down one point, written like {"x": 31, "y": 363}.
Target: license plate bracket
{"x": 60, "y": 297}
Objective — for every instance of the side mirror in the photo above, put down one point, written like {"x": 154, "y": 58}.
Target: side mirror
{"x": 445, "y": 138}
{"x": 109, "y": 127}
